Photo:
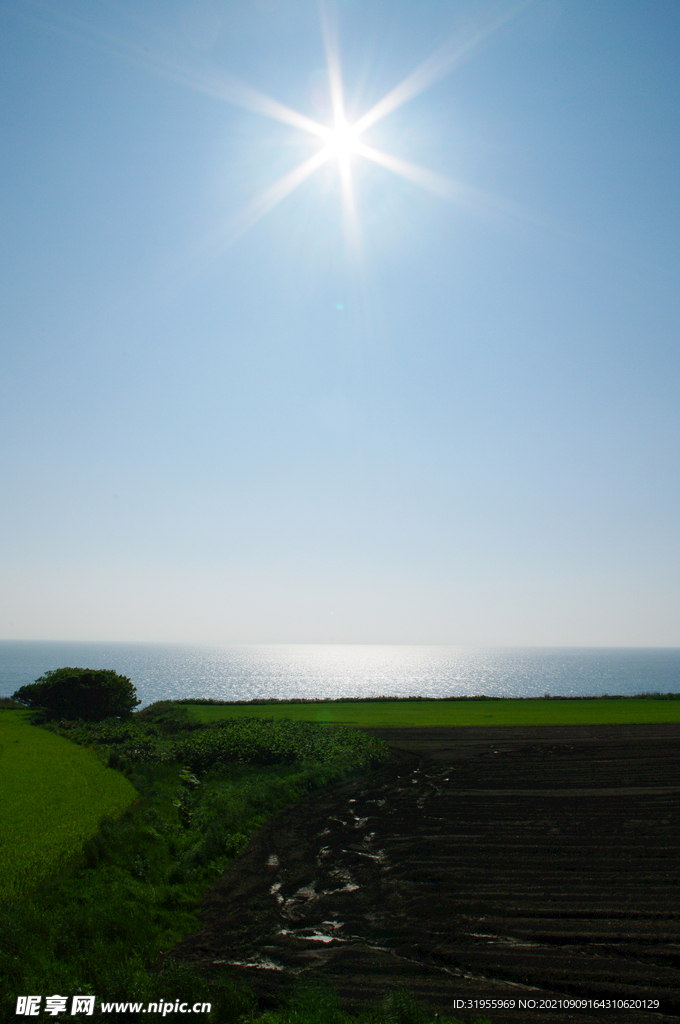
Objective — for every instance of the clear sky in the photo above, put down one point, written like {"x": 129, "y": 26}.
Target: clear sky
{"x": 428, "y": 396}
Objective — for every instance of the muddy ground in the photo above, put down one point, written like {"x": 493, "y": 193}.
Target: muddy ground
{"x": 480, "y": 863}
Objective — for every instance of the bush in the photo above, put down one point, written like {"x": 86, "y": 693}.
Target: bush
{"x": 90, "y": 694}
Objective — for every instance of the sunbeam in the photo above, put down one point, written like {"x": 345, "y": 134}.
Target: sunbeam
{"x": 341, "y": 140}
{"x": 210, "y": 81}
{"x": 272, "y": 196}
{"x": 437, "y": 66}
{"x": 431, "y": 181}
{"x": 329, "y": 31}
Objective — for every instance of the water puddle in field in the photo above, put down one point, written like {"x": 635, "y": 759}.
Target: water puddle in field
{"x": 343, "y": 876}
{"x": 297, "y": 905}
{"x": 502, "y": 940}
{"x": 261, "y": 963}
{"x": 379, "y": 857}
{"x": 322, "y": 933}
{"x": 300, "y": 900}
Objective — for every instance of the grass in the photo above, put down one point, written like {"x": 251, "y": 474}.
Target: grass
{"x": 410, "y": 713}
{"x": 53, "y": 796}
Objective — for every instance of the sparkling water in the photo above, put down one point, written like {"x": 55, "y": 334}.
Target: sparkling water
{"x": 172, "y": 671}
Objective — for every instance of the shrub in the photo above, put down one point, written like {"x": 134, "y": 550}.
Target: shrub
{"x": 90, "y": 694}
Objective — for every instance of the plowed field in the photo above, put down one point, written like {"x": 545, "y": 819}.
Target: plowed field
{"x": 502, "y": 863}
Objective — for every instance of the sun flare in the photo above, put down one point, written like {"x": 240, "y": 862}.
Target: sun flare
{"x": 341, "y": 141}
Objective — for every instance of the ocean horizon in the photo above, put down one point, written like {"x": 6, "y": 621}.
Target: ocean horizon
{"x": 330, "y": 671}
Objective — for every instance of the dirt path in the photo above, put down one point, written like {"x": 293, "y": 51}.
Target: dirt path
{"x": 482, "y": 863}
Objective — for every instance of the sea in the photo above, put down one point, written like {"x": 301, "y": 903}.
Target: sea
{"x": 172, "y": 671}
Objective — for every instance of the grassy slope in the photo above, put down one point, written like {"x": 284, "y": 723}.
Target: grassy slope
{"x": 390, "y": 714}
{"x": 53, "y": 796}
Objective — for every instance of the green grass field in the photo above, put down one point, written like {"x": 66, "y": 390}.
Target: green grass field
{"x": 391, "y": 714}
{"x": 53, "y": 796}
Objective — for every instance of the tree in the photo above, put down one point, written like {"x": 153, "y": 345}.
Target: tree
{"x": 90, "y": 694}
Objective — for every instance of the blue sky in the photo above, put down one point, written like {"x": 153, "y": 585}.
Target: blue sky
{"x": 452, "y": 418}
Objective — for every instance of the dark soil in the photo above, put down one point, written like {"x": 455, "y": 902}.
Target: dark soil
{"x": 480, "y": 863}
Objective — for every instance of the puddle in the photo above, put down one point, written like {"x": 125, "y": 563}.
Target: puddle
{"x": 261, "y": 963}
{"x": 318, "y": 934}
{"x": 379, "y": 857}
{"x": 343, "y": 876}
{"x": 293, "y": 906}
{"x": 306, "y": 894}
{"x": 502, "y": 940}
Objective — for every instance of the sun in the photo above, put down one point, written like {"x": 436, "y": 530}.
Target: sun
{"x": 342, "y": 140}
